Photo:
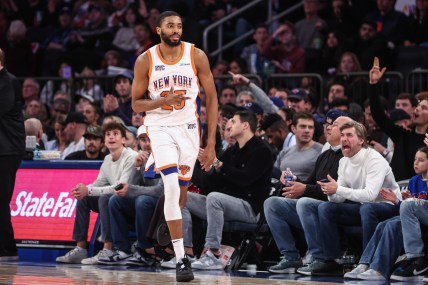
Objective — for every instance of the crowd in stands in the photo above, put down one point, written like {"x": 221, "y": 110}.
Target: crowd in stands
{"x": 347, "y": 151}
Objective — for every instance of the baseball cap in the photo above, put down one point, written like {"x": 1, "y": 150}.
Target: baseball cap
{"x": 331, "y": 116}
{"x": 276, "y": 101}
{"x": 299, "y": 94}
{"x": 141, "y": 130}
{"x": 398, "y": 114}
{"x": 254, "y": 107}
{"x": 131, "y": 129}
{"x": 85, "y": 96}
{"x": 95, "y": 131}
{"x": 74, "y": 117}
{"x": 126, "y": 74}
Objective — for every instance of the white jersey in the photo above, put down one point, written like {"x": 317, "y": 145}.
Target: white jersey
{"x": 182, "y": 75}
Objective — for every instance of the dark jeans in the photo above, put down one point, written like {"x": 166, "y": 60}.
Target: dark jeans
{"x": 98, "y": 204}
{"x": 367, "y": 215}
{"x": 8, "y": 167}
{"x": 138, "y": 208}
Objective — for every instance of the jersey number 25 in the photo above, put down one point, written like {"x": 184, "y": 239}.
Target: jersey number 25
{"x": 178, "y": 106}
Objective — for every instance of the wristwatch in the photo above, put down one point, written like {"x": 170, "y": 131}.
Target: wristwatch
{"x": 216, "y": 163}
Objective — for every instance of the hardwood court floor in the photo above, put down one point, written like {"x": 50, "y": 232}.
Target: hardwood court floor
{"x": 29, "y": 273}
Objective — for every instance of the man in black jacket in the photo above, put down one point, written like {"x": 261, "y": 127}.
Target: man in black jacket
{"x": 94, "y": 142}
{"x": 281, "y": 214}
{"x": 406, "y": 142}
{"x": 12, "y": 150}
{"x": 241, "y": 177}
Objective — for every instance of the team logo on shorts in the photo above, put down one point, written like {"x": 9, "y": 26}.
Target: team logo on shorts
{"x": 184, "y": 169}
{"x": 191, "y": 126}
{"x": 159, "y": 67}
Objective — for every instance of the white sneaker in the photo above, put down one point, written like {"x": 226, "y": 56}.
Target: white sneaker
{"x": 118, "y": 258}
{"x": 208, "y": 262}
{"x": 94, "y": 260}
{"x": 173, "y": 262}
{"x": 357, "y": 270}
{"x": 76, "y": 255}
{"x": 371, "y": 275}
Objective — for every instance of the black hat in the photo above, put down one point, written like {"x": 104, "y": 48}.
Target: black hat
{"x": 299, "y": 94}
{"x": 254, "y": 107}
{"x": 74, "y": 117}
{"x": 331, "y": 116}
{"x": 398, "y": 114}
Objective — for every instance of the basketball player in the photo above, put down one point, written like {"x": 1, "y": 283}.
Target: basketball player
{"x": 171, "y": 73}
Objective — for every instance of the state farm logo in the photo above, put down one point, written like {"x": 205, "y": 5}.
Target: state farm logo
{"x": 28, "y": 206}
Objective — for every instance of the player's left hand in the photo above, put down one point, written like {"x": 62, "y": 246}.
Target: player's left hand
{"x": 207, "y": 158}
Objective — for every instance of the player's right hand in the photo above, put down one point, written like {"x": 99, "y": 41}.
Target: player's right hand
{"x": 174, "y": 98}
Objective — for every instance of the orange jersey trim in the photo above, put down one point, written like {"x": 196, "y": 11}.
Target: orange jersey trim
{"x": 149, "y": 55}
{"x": 184, "y": 178}
{"x": 192, "y": 59}
{"x": 170, "y": 62}
{"x": 166, "y": 166}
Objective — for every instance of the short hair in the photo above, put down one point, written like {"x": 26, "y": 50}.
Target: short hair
{"x": 36, "y": 83}
{"x": 249, "y": 117}
{"x": 368, "y": 22}
{"x": 290, "y": 25}
{"x": 421, "y": 96}
{"x": 424, "y": 149}
{"x": 245, "y": 93}
{"x": 383, "y": 103}
{"x": 289, "y": 113}
{"x": 228, "y": 86}
{"x": 261, "y": 26}
{"x": 33, "y": 126}
{"x": 360, "y": 130}
{"x": 165, "y": 14}
{"x": 114, "y": 126}
{"x": 407, "y": 96}
{"x": 96, "y": 107}
{"x": 337, "y": 102}
{"x": 342, "y": 83}
{"x": 274, "y": 122}
{"x": 302, "y": 115}
{"x": 227, "y": 110}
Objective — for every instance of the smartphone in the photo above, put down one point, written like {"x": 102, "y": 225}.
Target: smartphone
{"x": 324, "y": 180}
{"x": 66, "y": 72}
{"x": 118, "y": 187}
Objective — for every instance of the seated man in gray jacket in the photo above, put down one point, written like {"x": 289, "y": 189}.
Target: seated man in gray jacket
{"x": 135, "y": 201}
{"x": 115, "y": 169}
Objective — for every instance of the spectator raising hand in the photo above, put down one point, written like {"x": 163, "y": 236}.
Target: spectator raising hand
{"x": 376, "y": 73}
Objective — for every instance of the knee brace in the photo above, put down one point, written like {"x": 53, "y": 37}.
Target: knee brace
{"x": 172, "y": 196}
